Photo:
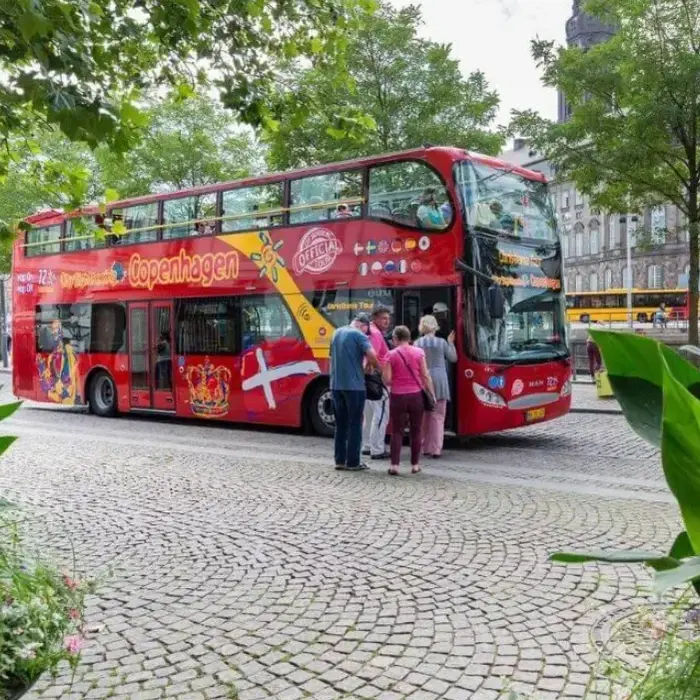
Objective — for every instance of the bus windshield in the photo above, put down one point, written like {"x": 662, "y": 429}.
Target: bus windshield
{"x": 504, "y": 202}
{"x": 521, "y": 315}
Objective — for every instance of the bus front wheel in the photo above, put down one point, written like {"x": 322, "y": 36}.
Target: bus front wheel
{"x": 320, "y": 407}
{"x": 103, "y": 395}
{"x": 585, "y": 318}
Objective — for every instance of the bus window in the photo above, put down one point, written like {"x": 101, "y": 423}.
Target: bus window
{"x": 196, "y": 216}
{"x": 41, "y": 241}
{"x": 253, "y": 207}
{"x": 83, "y": 233}
{"x": 108, "y": 328}
{"x": 128, "y": 224}
{"x": 66, "y": 323}
{"x": 320, "y": 197}
{"x": 266, "y": 319}
{"x": 410, "y": 193}
{"x": 207, "y": 326}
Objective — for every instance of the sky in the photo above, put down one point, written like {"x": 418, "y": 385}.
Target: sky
{"x": 494, "y": 36}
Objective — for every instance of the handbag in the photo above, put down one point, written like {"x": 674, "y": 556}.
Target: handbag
{"x": 428, "y": 398}
{"x": 374, "y": 386}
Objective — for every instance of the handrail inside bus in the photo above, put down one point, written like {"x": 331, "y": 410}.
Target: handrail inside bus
{"x": 208, "y": 219}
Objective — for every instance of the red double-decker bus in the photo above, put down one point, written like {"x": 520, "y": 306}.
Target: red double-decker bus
{"x": 219, "y": 302}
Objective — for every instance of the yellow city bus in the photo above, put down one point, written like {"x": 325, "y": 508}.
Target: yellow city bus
{"x": 611, "y": 305}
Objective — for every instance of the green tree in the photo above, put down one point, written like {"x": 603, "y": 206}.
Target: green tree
{"x": 187, "y": 143}
{"x": 633, "y": 139}
{"x": 44, "y": 171}
{"x": 403, "y": 91}
{"x": 81, "y": 64}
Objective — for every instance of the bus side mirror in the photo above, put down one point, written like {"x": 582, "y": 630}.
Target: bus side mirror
{"x": 496, "y": 301}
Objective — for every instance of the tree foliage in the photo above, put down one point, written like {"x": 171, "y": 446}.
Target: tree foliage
{"x": 403, "y": 91}
{"x": 187, "y": 143}
{"x": 81, "y": 64}
{"x": 633, "y": 139}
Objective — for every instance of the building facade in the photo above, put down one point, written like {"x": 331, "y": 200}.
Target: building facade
{"x": 594, "y": 243}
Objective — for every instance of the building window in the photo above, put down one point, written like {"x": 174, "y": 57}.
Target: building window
{"x": 613, "y": 238}
{"x": 411, "y": 193}
{"x": 137, "y": 224}
{"x": 565, "y": 199}
{"x": 579, "y": 283}
{"x": 189, "y": 216}
{"x": 608, "y": 280}
{"x": 593, "y": 282}
{"x": 578, "y": 198}
{"x": 322, "y": 197}
{"x": 253, "y": 207}
{"x": 578, "y": 234}
{"x": 655, "y": 277}
{"x": 658, "y": 225}
{"x": 41, "y": 241}
{"x": 595, "y": 238}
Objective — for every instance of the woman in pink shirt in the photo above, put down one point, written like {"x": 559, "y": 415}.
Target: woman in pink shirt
{"x": 406, "y": 374}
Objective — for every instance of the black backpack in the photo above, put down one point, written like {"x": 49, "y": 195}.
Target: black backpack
{"x": 374, "y": 386}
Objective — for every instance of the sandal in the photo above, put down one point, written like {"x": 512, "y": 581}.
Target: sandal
{"x": 416, "y": 470}
{"x": 393, "y": 472}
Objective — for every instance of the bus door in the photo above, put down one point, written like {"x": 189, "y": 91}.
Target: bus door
{"x": 151, "y": 355}
{"x": 411, "y": 305}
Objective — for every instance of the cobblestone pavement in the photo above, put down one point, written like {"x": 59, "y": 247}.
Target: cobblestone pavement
{"x": 238, "y": 563}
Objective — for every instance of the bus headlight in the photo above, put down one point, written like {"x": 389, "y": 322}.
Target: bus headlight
{"x": 566, "y": 389}
{"x": 488, "y": 397}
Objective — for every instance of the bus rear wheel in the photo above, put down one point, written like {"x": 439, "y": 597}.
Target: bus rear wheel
{"x": 585, "y": 318}
{"x": 103, "y": 395}
{"x": 320, "y": 407}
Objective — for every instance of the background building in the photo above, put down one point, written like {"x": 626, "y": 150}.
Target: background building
{"x": 594, "y": 243}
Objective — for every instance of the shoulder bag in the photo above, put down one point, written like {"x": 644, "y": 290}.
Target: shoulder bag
{"x": 428, "y": 398}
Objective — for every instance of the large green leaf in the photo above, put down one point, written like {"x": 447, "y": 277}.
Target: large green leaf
{"x": 687, "y": 572}
{"x": 680, "y": 449}
{"x": 658, "y": 562}
{"x": 634, "y": 368}
{"x": 682, "y": 548}
{"x": 6, "y": 410}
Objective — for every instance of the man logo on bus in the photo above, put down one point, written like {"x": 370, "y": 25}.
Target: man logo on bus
{"x": 317, "y": 251}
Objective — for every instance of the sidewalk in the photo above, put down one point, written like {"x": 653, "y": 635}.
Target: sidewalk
{"x": 585, "y": 400}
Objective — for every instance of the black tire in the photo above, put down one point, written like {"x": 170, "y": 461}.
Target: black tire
{"x": 642, "y": 318}
{"x": 103, "y": 395}
{"x": 320, "y": 410}
{"x": 584, "y": 318}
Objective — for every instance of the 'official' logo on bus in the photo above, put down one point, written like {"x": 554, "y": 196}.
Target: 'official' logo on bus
{"x": 318, "y": 249}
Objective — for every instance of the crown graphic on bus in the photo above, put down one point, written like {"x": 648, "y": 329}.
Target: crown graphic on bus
{"x": 209, "y": 389}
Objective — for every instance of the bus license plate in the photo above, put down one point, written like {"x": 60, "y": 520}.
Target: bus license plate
{"x": 534, "y": 414}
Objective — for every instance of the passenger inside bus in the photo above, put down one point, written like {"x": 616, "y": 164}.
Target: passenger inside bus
{"x": 429, "y": 214}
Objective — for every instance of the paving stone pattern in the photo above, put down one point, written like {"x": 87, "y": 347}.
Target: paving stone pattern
{"x": 237, "y": 563}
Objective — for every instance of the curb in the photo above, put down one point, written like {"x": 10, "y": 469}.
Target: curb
{"x": 602, "y": 411}
{"x": 5, "y": 370}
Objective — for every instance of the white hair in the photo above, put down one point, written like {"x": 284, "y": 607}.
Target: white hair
{"x": 428, "y": 324}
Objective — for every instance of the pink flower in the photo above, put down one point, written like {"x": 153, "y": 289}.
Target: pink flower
{"x": 74, "y": 643}
{"x": 74, "y": 614}
{"x": 69, "y": 582}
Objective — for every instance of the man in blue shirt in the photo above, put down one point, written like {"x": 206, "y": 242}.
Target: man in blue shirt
{"x": 350, "y": 347}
